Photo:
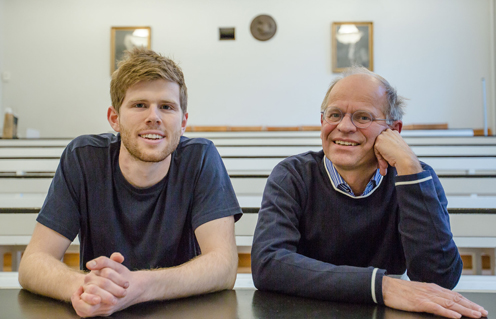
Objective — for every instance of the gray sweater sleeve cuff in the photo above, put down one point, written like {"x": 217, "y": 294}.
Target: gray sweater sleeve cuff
{"x": 413, "y": 178}
{"x": 377, "y": 285}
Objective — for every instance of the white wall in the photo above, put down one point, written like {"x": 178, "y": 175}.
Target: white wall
{"x": 1, "y": 66}
{"x": 58, "y": 53}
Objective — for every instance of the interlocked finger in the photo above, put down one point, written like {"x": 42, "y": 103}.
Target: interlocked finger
{"x": 102, "y": 281}
{"x": 90, "y": 291}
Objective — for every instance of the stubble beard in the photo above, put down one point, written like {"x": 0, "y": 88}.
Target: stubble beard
{"x": 134, "y": 150}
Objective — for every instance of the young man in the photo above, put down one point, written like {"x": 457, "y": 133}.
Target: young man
{"x": 154, "y": 211}
{"x": 334, "y": 224}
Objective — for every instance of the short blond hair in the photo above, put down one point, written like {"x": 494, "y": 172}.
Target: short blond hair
{"x": 140, "y": 65}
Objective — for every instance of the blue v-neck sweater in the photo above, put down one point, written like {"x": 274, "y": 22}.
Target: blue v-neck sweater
{"x": 312, "y": 240}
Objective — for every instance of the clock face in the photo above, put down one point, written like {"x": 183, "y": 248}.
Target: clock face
{"x": 263, "y": 27}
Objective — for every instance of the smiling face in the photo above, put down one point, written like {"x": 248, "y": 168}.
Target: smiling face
{"x": 150, "y": 121}
{"x": 348, "y": 147}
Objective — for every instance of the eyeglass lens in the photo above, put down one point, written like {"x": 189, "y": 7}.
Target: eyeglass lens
{"x": 361, "y": 119}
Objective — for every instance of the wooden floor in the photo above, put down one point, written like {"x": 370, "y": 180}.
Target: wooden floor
{"x": 244, "y": 264}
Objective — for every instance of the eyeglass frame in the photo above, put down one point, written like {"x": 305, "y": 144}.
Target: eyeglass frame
{"x": 373, "y": 119}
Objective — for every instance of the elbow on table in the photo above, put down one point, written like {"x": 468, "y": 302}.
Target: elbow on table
{"x": 261, "y": 273}
{"x": 23, "y": 276}
{"x": 230, "y": 281}
{"x": 22, "y": 280}
{"x": 450, "y": 279}
{"x": 446, "y": 277}
{"x": 229, "y": 274}
{"x": 451, "y": 275}
{"x": 259, "y": 281}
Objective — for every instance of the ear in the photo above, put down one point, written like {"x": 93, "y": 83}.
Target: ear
{"x": 397, "y": 126}
{"x": 113, "y": 118}
{"x": 184, "y": 123}
{"x": 321, "y": 126}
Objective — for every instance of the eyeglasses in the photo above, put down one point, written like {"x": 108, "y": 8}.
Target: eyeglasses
{"x": 361, "y": 119}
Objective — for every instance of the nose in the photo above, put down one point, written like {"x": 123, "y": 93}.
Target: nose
{"x": 153, "y": 116}
{"x": 346, "y": 125}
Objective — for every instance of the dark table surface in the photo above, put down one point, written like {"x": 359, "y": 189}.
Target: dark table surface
{"x": 241, "y": 303}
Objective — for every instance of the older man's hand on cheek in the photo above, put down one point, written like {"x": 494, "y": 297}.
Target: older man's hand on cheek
{"x": 390, "y": 148}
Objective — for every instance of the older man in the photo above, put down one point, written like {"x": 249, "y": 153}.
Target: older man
{"x": 340, "y": 223}
{"x": 154, "y": 210}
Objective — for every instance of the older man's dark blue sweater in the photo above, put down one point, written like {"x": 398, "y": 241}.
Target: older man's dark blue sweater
{"x": 312, "y": 240}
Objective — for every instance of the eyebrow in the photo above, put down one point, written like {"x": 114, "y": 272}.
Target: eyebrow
{"x": 160, "y": 102}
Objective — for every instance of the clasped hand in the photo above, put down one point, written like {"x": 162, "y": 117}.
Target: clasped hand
{"x": 105, "y": 289}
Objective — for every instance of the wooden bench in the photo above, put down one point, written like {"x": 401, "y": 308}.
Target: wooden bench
{"x": 447, "y": 155}
{"x": 16, "y": 227}
{"x": 466, "y": 167}
{"x": 238, "y": 165}
{"x": 470, "y": 191}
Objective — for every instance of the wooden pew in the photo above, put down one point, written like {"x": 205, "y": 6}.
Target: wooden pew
{"x": 466, "y": 166}
{"x": 16, "y": 226}
{"x": 471, "y": 191}
{"x": 459, "y": 155}
{"x": 263, "y": 165}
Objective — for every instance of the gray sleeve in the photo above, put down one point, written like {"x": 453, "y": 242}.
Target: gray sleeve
{"x": 214, "y": 195}
{"x": 430, "y": 252}
{"x": 60, "y": 211}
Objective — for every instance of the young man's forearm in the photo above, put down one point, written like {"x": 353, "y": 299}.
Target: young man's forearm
{"x": 43, "y": 274}
{"x": 209, "y": 272}
{"x": 212, "y": 271}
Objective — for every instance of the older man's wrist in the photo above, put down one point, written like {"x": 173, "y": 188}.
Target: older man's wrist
{"x": 409, "y": 168}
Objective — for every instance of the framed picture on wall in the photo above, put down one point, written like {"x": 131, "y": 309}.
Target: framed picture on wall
{"x": 126, "y": 38}
{"x": 352, "y": 44}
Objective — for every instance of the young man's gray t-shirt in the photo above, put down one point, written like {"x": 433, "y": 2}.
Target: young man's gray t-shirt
{"x": 151, "y": 227}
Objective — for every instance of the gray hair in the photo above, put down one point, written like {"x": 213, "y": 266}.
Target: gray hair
{"x": 395, "y": 108}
